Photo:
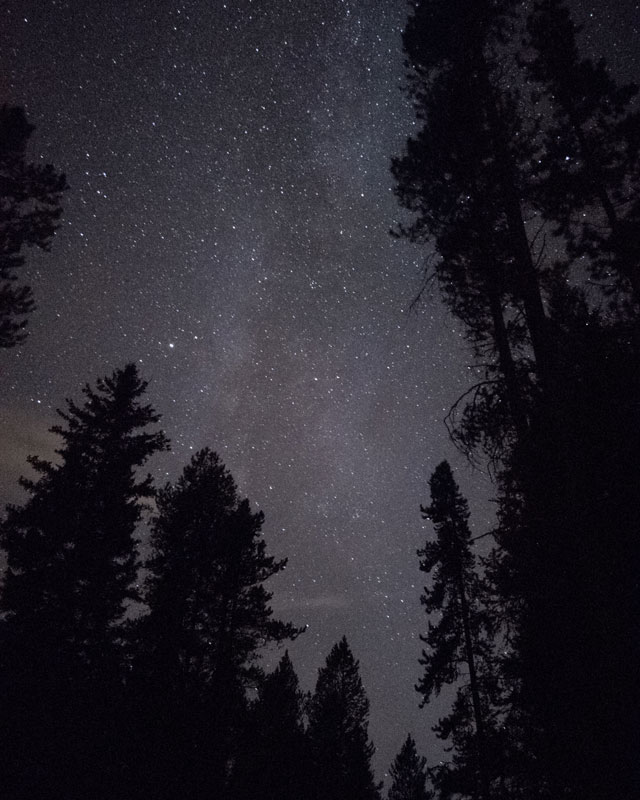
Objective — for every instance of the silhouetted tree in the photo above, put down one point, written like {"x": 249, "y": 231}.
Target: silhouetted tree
{"x": 338, "y": 730}
{"x": 567, "y": 569}
{"x": 29, "y": 212}
{"x": 408, "y": 774}
{"x": 462, "y": 638}
{"x": 589, "y": 172}
{"x": 463, "y": 177}
{"x": 273, "y": 759}
{"x": 71, "y": 574}
{"x": 209, "y": 617}
{"x": 542, "y": 413}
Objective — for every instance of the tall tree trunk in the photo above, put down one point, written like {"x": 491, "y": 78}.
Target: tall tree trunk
{"x": 528, "y": 286}
{"x": 483, "y": 774}
{"x": 505, "y": 356}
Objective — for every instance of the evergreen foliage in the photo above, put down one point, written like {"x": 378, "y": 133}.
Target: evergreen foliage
{"x": 455, "y": 589}
{"x": 460, "y": 643}
{"x": 588, "y": 177}
{"x": 338, "y": 730}
{"x": 206, "y": 578}
{"x": 463, "y": 178}
{"x": 70, "y": 548}
{"x": 71, "y": 574}
{"x": 495, "y": 177}
{"x": 566, "y": 571}
{"x": 273, "y": 761}
{"x": 29, "y": 212}
{"x": 408, "y": 774}
{"x": 209, "y": 616}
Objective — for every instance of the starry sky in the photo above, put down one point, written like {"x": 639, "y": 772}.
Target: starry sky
{"x": 227, "y": 228}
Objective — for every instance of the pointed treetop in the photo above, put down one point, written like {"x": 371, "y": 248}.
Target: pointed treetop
{"x": 408, "y": 774}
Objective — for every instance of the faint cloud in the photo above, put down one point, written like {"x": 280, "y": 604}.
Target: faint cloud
{"x": 328, "y": 601}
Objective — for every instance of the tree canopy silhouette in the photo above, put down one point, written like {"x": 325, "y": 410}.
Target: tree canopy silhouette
{"x": 209, "y": 617}
{"x": 461, "y": 641}
{"x": 71, "y": 573}
{"x": 338, "y": 730}
{"x": 408, "y": 774}
{"x": 588, "y": 176}
{"x": 30, "y": 207}
{"x": 523, "y": 174}
{"x": 273, "y": 760}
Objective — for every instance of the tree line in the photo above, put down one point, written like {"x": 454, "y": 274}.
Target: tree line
{"x": 98, "y": 701}
{"x": 522, "y": 179}
{"x": 122, "y": 676}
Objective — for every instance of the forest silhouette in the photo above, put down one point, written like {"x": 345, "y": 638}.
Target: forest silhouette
{"x": 521, "y": 179}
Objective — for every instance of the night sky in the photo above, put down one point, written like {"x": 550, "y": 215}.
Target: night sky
{"x": 227, "y": 229}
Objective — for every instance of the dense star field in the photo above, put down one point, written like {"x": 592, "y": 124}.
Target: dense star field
{"x": 227, "y": 229}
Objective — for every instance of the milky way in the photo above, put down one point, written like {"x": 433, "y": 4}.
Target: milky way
{"x": 227, "y": 229}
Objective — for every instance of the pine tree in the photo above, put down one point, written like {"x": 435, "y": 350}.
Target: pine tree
{"x": 71, "y": 573}
{"x": 29, "y": 212}
{"x": 338, "y": 730}
{"x": 461, "y": 640}
{"x": 273, "y": 762}
{"x": 408, "y": 774}
{"x": 209, "y": 618}
{"x": 463, "y": 178}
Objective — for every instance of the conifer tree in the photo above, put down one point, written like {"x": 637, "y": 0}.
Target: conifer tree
{"x": 29, "y": 212}
{"x": 408, "y": 774}
{"x": 273, "y": 761}
{"x": 71, "y": 573}
{"x": 338, "y": 730}
{"x": 589, "y": 173}
{"x": 461, "y": 640}
{"x": 463, "y": 178}
{"x": 566, "y": 571}
{"x": 468, "y": 175}
{"x": 209, "y": 617}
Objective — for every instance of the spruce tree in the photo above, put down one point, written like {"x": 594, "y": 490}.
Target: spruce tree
{"x": 71, "y": 571}
{"x": 408, "y": 774}
{"x": 338, "y": 730}
{"x": 29, "y": 212}
{"x": 209, "y": 618}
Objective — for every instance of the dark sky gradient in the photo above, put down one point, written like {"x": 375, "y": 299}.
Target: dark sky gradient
{"x": 227, "y": 229}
